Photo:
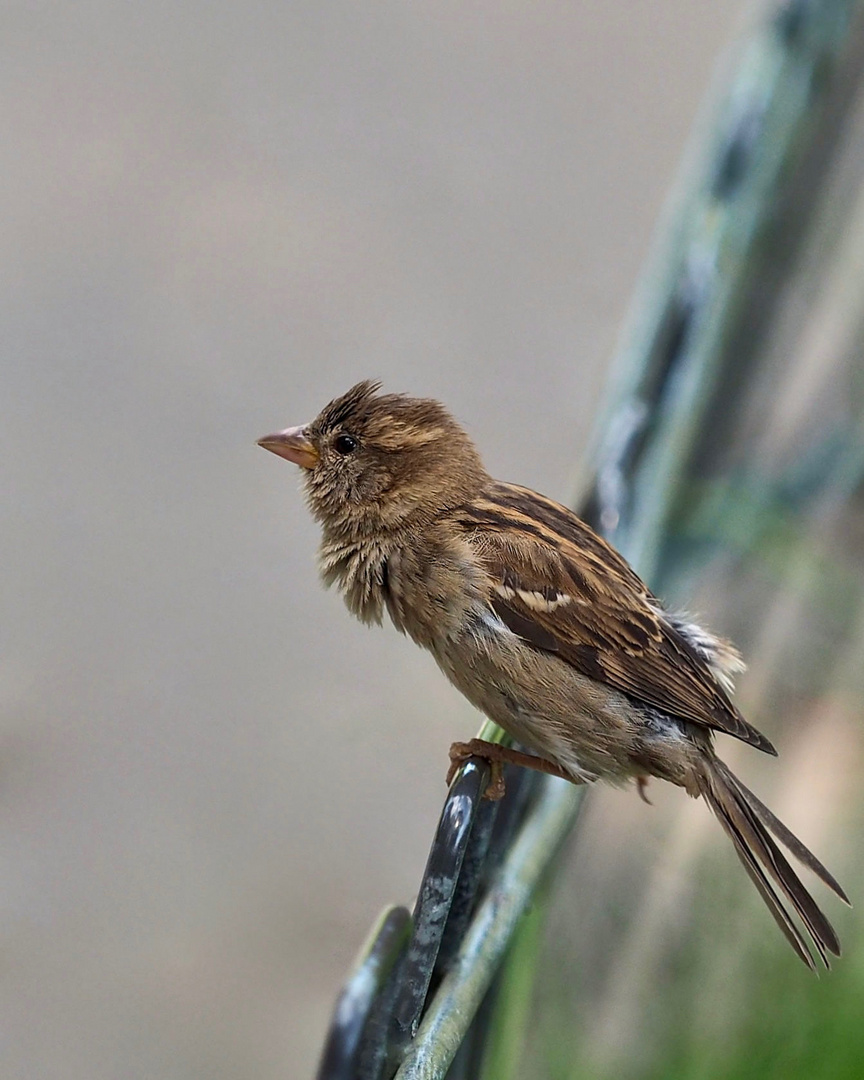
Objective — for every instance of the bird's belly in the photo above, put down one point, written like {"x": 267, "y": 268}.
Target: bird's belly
{"x": 593, "y": 731}
{"x": 543, "y": 703}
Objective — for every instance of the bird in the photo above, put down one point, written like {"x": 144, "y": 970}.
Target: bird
{"x": 540, "y": 623}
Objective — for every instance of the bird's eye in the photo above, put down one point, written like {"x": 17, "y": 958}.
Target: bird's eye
{"x": 345, "y": 444}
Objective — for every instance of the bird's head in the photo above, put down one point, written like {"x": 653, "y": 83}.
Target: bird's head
{"x": 375, "y": 461}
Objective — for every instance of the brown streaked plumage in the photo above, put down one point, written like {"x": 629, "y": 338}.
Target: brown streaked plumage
{"x": 538, "y": 621}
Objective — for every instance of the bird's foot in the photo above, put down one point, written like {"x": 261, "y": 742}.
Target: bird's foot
{"x": 497, "y": 757}
{"x": 642, "y": 784}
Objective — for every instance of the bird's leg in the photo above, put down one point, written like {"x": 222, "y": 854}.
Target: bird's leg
{"x": 498, "y": 756}
{"x": 642, "y": 785}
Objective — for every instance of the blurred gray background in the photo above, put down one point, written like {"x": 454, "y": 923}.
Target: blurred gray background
{"x": 215, "y": 218}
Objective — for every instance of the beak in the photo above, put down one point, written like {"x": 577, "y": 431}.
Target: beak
{"x": 292, "y": 444}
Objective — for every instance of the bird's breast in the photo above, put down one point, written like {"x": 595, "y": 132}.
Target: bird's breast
{"x": 430, "y": 590}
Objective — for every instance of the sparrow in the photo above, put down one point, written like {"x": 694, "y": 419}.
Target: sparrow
{"x": 539, "y": 622}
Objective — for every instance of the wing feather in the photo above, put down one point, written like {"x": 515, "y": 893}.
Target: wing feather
{"x": 564, "y": 590}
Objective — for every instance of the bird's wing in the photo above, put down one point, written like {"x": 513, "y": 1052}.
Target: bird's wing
{"x": 564, "y": 590}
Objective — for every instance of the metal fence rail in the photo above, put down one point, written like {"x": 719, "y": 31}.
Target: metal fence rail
{"x": 421, "y": 1000}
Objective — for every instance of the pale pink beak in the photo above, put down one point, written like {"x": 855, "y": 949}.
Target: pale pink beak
{"x": 292, "y": 444}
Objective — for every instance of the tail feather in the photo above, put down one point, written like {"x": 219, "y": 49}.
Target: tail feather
{"x": 747, "y": 822}
{"x": 772, "y": 902}
{"x": 788, "y": 839}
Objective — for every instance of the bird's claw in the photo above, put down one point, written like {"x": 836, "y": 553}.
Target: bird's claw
{"x": 461, "y": 752}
